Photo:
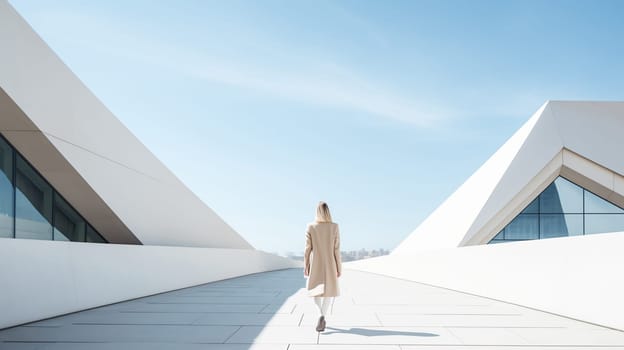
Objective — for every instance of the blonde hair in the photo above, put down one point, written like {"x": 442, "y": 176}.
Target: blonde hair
{"x": 322, "y": 213}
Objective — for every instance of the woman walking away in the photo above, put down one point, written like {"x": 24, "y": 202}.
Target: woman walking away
{"x": 322, "y": 264}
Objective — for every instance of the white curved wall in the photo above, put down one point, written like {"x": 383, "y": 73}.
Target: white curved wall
{"x": 578, "y": 277}
{"x": 43, "y": 279}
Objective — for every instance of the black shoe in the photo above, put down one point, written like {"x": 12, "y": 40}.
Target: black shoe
{"x": 320, "y": 325}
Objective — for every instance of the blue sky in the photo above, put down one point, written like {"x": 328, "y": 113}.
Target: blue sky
{"x": 380, "y": 108}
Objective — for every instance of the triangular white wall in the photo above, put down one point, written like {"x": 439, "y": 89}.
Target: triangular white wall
{"x": 577, "y": 139}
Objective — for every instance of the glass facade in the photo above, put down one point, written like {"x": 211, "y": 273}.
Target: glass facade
{"x": 563, "y": 209}
{"x": 30, "y": 208}
{"x": 93, "y": 236}
{"x": 6, "y": 190}
{"x": 68, "y": 225}
{"x": 33, "y": 203}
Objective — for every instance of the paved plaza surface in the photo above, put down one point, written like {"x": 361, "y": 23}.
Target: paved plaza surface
{"x": 272, "y": 311}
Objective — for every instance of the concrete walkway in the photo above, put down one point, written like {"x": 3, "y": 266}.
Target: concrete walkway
{"x": 271, "y": 311}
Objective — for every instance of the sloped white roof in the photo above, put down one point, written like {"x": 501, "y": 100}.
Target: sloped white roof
{"x": 582, "y": 141}
{"x": 89, "y": 156}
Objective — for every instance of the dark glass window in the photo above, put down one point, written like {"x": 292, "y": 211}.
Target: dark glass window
{"x": 6, "y": 189}
{"x": 524, "y": 226}
{"x": 559, "y": 225}
{"x": 500, "y": 235}
{"x": 602, "y": 223}
{"x": 31, "y": 208}
{"x": 93, "y": 236}
{"x": 560, "y": 197}
{"x": 33, "y": 203}
{"x": 68, "y": 225}
{"x": 563, "y": 209}
{"x": 532, "y": 208}
{"x": 597, "y": 205}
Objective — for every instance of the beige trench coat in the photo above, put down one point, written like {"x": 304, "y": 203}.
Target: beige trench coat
{"x": 322, "y": 259}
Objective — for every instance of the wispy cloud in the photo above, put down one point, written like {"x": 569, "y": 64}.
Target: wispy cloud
{"x": 315, "y": 81}
{"x": 334, "y": 89}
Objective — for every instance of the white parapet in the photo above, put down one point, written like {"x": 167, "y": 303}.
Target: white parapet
{"x": 578, "y": 277}
{"x": 42, "y": 279}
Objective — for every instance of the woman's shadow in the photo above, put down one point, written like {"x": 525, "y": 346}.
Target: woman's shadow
{"x": 376, "y": 332}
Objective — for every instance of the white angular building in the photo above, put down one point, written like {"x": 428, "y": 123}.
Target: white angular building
{"x": 564, "y": 143}
{"x": 72, "y": 175}
{"x": 552, "y": 195}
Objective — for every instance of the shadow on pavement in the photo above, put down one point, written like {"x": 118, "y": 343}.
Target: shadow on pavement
{"x": 208, "y": 316}
{"x": 376, "y": 332}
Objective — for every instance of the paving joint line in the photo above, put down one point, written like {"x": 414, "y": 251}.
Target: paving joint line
{"x": 378, "y": 319}
{"x": 265, "y": 306}
{"x": 485, "y": 297}
{"x": 454, "y": 336}
{"x": 200, "y": 286}
{"x": 231, "y": 335}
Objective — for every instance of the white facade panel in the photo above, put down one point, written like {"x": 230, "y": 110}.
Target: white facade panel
{"x": 592, "y": 130}
{"x": 578, "y": 277}
{"x": 49, "y": 278}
